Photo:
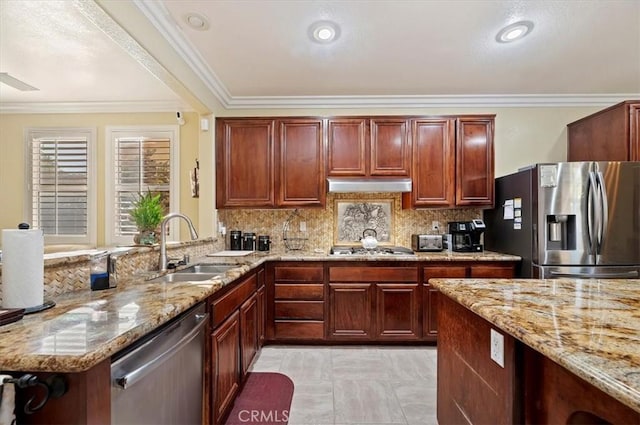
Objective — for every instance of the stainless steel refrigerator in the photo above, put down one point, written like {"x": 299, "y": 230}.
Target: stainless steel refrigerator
{"x": 575, "y": 219}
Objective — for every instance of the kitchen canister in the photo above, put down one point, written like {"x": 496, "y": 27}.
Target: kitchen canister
{"x": 235, "y": 240}
{"x": 22, "y": 267}
{"x": 249, "y": 241}
{"x": 264, "y": 243}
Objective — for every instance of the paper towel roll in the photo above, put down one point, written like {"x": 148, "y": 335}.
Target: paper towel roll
{"x": 22, "y": 268}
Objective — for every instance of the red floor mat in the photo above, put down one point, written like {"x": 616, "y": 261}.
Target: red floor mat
{"x": 265, "y": 399}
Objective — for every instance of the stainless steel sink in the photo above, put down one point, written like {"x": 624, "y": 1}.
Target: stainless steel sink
{"x": 208, "y": 268}
{"x": 184, "y": 277}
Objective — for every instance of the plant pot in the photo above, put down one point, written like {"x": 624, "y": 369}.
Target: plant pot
{"x": 146, "y": 237}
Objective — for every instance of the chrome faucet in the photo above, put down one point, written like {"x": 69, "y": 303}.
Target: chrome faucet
{"x": 163, "y": 236}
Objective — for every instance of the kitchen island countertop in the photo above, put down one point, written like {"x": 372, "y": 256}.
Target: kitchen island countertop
{"x": 86, "y": 327}
{"x": 590, "y": 327}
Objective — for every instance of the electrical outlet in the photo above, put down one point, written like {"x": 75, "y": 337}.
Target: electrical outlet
{"x": 497, "y": 348}
{"x": 303, "y": 226}
{"x": 435, "y": 225}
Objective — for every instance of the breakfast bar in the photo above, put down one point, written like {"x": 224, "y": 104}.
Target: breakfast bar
{"x": 538, "y": 351}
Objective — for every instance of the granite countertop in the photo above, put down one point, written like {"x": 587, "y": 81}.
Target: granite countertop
{"x": 590, "y": 327}
{"x": 86, "y": 327}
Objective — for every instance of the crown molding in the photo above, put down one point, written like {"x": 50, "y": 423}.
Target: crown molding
{"x": 430, "y": 101}
{"x": 91, "y": 107}
{"x": 160, "y": 18}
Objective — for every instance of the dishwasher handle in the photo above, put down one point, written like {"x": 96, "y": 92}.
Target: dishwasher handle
{"x": 134, "y": 376}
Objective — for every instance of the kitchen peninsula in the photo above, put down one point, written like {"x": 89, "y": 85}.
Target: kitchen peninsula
{"x": 569, "y": 350}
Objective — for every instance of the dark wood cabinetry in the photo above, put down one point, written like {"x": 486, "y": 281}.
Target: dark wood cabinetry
{"x": 245, "y": 175}
{"x": 454, "y": 271}
{"x": 452, "y": 162}
{"x": 262, "y": 308}
{"x": 376, "y": 147}
{"x": 612, "y": 134}
{"x": 266, "y": 163}
{"x": 474, "y": 161}
{"x": 374, "y": 303}
{"x": 433, "y": 163}
{"x": 249, "y": 311}
{"x": 225, "y": 344}
{"x": 300, "y": 163}
{"x": 295, "y": 292}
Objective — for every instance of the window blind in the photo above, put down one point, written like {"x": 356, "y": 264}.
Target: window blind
{"x": 60, "y": 185}
{"x": 141, "y": 164}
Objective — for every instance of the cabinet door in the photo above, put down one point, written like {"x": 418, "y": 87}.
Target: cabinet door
{"x": 301, "y": 179}
{"x": 351, "y": 311}
{"x": 433, "y": 167}
{"x": 430, "y": 296}
{"x": 390, "y": 147}
{"x": 474, "y": 161}
{"x": 226, "y": 358}
{"x": 248, "y": 331}
{"x": 245, "y": 163}
{"x": 398, "y": 311}
{"x": 347, "y": 147}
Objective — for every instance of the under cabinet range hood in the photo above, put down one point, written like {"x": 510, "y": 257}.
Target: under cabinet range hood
{"x": 362, "y": 184}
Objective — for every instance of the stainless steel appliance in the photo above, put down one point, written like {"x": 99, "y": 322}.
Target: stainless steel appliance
{"x": 426, "y": 243}
{"x": 577, "y": 219}
{"x": 380, "y": 250}
{"x": 465, "y": 235}
{"x": 160, "y": 379}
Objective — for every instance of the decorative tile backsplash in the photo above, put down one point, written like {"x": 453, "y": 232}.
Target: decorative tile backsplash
{"x": 321, "y": 223}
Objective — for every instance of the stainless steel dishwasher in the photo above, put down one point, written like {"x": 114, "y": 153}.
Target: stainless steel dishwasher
{"x": 160, "y": 379}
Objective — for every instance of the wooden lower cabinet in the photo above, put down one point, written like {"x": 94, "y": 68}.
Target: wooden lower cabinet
{"x": 261, "y": 315}
{"x": 397, "y": 311}
{"x": 225, "y": 343}
{"x": 351, "y": 311}
{"x": 248, "y": 331}
{"x": 453, "y": 271}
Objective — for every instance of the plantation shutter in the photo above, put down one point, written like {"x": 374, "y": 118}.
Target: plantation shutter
{"x": 141, "y": 164}
{"x": 60, "y": 185}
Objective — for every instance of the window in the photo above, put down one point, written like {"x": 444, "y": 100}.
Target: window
{"x": 61, "y": 191}
{"x": 139, "y": 159}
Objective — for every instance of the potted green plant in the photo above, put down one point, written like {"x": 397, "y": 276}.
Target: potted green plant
{"x": 147, "y": 213}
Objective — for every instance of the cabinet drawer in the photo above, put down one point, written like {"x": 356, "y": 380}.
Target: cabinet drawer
{"x": 290, "y": 329}
{"x": 373, "y": 274}
{"x": 310, "y": 310}
{"x": 299, "y": 274}
{"x": 230, "y": 301}
{"x": 497, "y": 271}
{"x": 305, "y": 291}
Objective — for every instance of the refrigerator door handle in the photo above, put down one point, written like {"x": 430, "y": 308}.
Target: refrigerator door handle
{"x": 623, "y": 275}
{"x": 592, "y": 212}
{"x": 604, "y": 211}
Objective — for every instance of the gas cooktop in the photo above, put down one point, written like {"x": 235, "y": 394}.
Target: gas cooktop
{"x": 381, "y": 250}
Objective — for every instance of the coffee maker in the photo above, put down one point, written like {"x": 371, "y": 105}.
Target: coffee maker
{"x": 465, "y": 235}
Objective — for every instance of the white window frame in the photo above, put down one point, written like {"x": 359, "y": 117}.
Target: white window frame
{"x": 171, "y": 132}
{"x": 31, "y": 133}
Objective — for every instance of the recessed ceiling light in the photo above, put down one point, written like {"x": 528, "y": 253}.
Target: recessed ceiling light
{"x": 197, "y": 21}
{"x": 324, "y": 31}
{"x": 514, "y": 31}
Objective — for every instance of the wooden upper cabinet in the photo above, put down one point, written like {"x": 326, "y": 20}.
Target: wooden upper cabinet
{"x": 362, "y": 147}
{"x": 612, "y": 134}
{"x": 300, "y": 163}
{"x": 433, "y": 168}
{"x": 347, "y": 147}
{"x": 474, "y": 161}
{"x": 245, "y": 163}
{"x": 390, "y": 150}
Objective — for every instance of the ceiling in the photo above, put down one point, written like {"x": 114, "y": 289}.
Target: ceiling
{"x": 259, "y": 53}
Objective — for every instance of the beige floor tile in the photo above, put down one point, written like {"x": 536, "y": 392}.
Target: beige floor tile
{"x": 312, "y": 403}
{"x": 307, "y": 365}
{"x": 366, "y": 401}
{"x": 417, "y": 400}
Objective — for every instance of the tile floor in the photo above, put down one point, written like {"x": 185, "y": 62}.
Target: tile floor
{"x": 356, "y": 384}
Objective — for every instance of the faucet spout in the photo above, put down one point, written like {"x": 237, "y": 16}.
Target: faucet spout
{"x": 163, "y": 236}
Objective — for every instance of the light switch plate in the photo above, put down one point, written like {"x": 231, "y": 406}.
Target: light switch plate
{"x": 303, "y": 226}
{"x": 435, "y": 225}
{"x": 497, "y": 348}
